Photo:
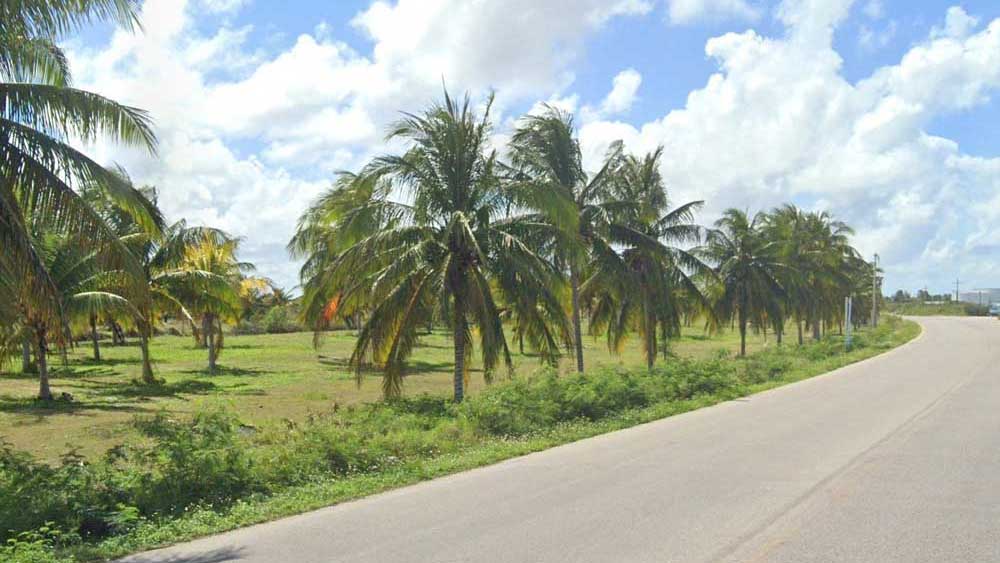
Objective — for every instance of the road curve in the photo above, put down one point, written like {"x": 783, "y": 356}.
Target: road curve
{"x": 893, "y": 459}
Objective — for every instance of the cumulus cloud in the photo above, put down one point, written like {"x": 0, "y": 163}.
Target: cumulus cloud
{"x": 779, "y": 122}
{"x": 624, "y": 90}
{"x": 249, "y": 137}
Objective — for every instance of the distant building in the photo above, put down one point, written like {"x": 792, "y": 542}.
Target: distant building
{"x": 983, "y": 296}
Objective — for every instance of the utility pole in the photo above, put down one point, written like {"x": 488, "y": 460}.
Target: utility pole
{"x": 957, "y": 297}
{"x": 875, "y": 292}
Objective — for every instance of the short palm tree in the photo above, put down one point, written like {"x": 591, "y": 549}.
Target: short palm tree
{"x": 643, "y": 279}
{"x": 451, "y": 252}
{"x": 213, "y": 260}
{"x": 747, "y": 269}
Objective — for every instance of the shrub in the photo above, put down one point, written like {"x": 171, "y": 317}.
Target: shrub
{"x": 31, "y": 547}
{"x": 202, "y": 460}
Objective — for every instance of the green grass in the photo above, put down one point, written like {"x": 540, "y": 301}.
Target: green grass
{"x": 932, "y": 310}
{"x": 426, "y": 438}
{"x": 261, "y": 377}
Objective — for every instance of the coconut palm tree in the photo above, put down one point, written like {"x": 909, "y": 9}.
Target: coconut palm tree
{"x": 816, "y": 252}
{"x": 213, "y": 260}
{"x": 748, "y": 271}
{"x": 451, "y": 250}
{"x": 355, "y": 208}
{"x": 826, "y": 278}
{"x": 39, "y": 113}
{"x": 545, "y": 153}
{"x": 643, "y": 277}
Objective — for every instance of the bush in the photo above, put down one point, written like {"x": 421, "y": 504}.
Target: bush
{"x": 203, "y": 460}
{"x": 31, "y": 547}
{"x": 276, "y": 320}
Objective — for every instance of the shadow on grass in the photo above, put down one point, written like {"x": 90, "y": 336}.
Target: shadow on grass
{"x": 225, "y": 370}
{"x": 90, "y": 361}
{"x": 413, "y": 367}
{"x": 174, "y": 389}
{"x": 42, "y": 409}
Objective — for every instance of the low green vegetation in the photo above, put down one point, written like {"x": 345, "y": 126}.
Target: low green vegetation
{"x": 261, "y": 378}
{"x": 949, "y": 309}
{"x": 190, "y": 476}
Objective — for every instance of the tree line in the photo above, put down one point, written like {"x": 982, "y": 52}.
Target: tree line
{"x": 453, "y": 231}
{"x": 514, "y": 245}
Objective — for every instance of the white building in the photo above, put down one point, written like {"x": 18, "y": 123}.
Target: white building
{"x": 984, "y": 296}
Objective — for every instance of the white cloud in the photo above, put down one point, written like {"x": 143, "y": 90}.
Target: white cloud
{"x": 779, "y": 122}
{"x": 957, "y": 24}
{"x": 623, "y": 93}
{"x": 624, "y": 90}
{"x": 688, "y": 11}
{"x": 248, "y": 137}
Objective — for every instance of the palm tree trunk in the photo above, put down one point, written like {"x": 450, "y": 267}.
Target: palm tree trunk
{"x": 26, "y": 366}
{"x": 460, "y": 329}
{"x": 816, "y": 329}
{"x": 44, "y": 391}
{"x": 117, "y": 334}
{"x": 94, "y": 339}
{"x": 743, "y": 333}
{"x": 574, "y": 281}
{"x": 209, "y": 333}
{"x": 779, "y": 333}
{"x": 206, "y": 330}
{"x": 147, "y": 366}
{"x": 650, "y": 339}
{"x": 798, "y": 321}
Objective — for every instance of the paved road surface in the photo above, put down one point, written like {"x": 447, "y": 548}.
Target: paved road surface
{"x": 893, "y": 459}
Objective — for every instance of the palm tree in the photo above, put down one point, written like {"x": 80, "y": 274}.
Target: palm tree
{"x": 216, "y": 303}
{"x": 642, "y": 278}
{"x": 826, "y": 278}
{"x": 451, "y": 252}
{"x": 545, "y": 153}
{"x": 817, "y": 255}
{"x": 747, "y": 269}
{"x": 39, "y": 114}
{"x": 355, "y": 208}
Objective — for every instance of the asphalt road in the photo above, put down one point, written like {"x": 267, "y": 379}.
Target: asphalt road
{"x": 892, "y": 459}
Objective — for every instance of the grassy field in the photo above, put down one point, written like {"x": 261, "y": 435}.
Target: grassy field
{"x": 191, "y": 476}
{"x": 930, "y": 309}
{"x": 263, "y": 378}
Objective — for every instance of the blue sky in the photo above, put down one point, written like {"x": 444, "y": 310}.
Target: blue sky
{"x": 883, "y": 112}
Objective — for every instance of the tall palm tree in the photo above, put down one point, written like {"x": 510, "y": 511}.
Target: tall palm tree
{"x": 785, "y": 226}
{"x": 546, "y": 153}
{"x": 39, "y": 113}
{"x": 827, "y": 279}
{"x": 748, "y": 271}
{"x": 816, "y": 252}
{"x": 642, "y": 277}
{"x": 452, "y": 251}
